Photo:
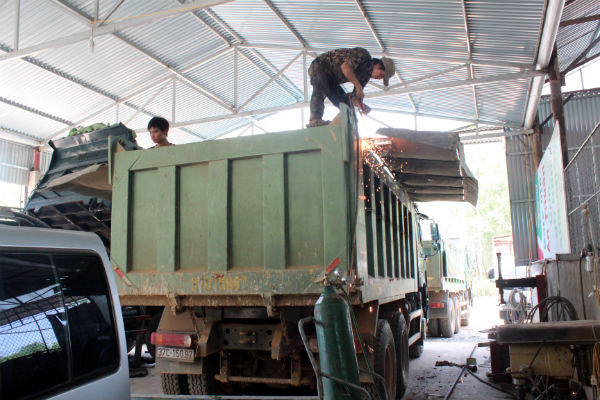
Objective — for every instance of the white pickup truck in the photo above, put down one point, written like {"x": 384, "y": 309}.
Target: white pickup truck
{"x": 61, "y": 329}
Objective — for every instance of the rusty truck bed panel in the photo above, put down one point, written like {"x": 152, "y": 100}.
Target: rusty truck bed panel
{"x": 252, "y": 219}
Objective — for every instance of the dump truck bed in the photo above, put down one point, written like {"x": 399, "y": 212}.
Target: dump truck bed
{"x": 250, "y": 221}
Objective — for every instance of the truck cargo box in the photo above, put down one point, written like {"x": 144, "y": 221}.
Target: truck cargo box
{"x": 254, "y": 221}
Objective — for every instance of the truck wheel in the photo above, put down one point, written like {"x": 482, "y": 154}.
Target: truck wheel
{"x": 456, "y": 314}
{"x": 385, "y": 361}
{"x": 173, "y": 383}
{"x": 464, "y": 319}
{"x": 200, "y": 384}
{"x": 402, "y": 353}
{"x": 434, "y": 327}
{"x": 417, "y": 348}
{"x": 447, "y": 323}
{"x": 205, "y": 383}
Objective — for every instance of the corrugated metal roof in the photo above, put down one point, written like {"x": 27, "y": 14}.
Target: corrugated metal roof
{"x": 573, "y": 40}
{"x": 64, "y": 80}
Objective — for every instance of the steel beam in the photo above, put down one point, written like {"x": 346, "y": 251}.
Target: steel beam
{"x": 287, "y": 24}
{"x": 134, "y": 94}
{"x": 471, "y": 72}
{"x": 215, "y": 18}
{"x": 34, "y": 111}
{"x": 108, "y": 29}
{"x": 468, "y": 120}
{"x": 217, "y": 99}
{"x": 581, "y": 20}
{"x": 382, "y": 46}
{"x": 401, "y": 56}
{"x": 457, "y": 83}
{"x": 259, "y": 91}
{"x": 12, "y": 135}
{"x": 395, "y": 92}
{"x": 111, "y": 105}
{"x": 150, "y": 100}
{"x": 17, "y": 24}
{"x": 551, "y": 20}
{"x": 425, "y": 77}
{"x": 111, "y": 12}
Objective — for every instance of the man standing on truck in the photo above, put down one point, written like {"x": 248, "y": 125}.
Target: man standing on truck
{"x": 335, "y": 67}
{"x": 159, "y": 129}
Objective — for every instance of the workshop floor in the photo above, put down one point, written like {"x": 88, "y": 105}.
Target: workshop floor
{"x": 426, "y": 381}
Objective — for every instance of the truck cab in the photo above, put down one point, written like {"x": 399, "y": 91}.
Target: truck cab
{"x": 448, "y": 271}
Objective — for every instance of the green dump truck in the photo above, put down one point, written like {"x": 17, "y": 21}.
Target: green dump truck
{"x": 233, "y": 237}
{"x": 448, "y": 283}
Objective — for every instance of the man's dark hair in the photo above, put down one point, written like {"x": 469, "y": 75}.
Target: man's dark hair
{"x": 378, "y": 61}
{"x": 160, "y": 123}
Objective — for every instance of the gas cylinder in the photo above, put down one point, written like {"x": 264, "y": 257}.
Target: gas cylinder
{"x": 337, "y": 355}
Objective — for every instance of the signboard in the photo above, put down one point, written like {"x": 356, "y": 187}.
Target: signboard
{"x": 550, "y": 202}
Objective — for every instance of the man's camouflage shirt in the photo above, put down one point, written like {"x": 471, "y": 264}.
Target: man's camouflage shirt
{"x": 357, "y": 58}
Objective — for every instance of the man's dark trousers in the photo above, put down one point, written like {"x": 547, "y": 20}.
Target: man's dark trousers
{"x": 324, "y": 85}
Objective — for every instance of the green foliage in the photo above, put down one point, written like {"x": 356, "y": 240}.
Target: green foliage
{"x": 475, "y": 226}
{"x": 31, "y": 349}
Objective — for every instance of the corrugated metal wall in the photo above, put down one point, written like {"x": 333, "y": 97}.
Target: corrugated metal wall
{"x": 582, "y": 114}
{"x": 521, "y": 172}
{"x": 15, "y": 162}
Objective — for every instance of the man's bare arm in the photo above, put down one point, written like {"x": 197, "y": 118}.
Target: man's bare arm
{"x": 351, "y": 76}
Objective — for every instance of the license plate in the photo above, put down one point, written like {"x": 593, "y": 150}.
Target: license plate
{"x": 175, "y": 353}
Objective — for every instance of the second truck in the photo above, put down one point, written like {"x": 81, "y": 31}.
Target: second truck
{"x": 448, "y": 282}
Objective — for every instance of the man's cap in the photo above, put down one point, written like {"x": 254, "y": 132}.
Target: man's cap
{"x": 389, "y": 70}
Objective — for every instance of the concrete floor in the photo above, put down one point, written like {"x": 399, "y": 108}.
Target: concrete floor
{"x": 426, "y": 381}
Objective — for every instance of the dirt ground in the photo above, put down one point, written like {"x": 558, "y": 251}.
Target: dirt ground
{"x": 426, "y": 381}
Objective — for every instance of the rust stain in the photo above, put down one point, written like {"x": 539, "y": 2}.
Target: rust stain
{"x": 333, "y": 135}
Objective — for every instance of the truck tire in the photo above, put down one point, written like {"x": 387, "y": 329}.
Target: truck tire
{"x": 447, "y": 323}
{"x": 464, "y": 319}
{"x": 417, "y": 348}
{"x": 205, "y": 383}
{"x": 173, "y": 383}
{"x": 200, "y": 384}
{"x": 456, "y": 314}
{"x": 434, "y": 327}
{"x": 400, "y": 330}
{"x": 385, "y": 361}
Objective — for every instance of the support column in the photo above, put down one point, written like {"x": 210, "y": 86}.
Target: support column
{"x": 557, "y": 103}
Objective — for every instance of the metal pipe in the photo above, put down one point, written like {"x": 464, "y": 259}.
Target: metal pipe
{"x": 549, "y": 32}
{"x": 462, "y": 370}
{"x": 17, "y": 24}
{"x": 582, "y": 146}
{"x": 311, "y": 357}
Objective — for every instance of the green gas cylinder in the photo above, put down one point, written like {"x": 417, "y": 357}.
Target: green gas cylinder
{"x": 337, "y": 355}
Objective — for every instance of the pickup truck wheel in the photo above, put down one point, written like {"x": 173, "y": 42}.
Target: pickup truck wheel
{"x": 417, "y": 348}
{"x": 173, "y": 383}
{"x": 434, "y": 327}
{"x": 456, "y": 314}
{"x": 447, "y": 323}
{"x": 385, "y": 362}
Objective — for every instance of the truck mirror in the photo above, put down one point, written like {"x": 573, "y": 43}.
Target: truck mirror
{"x": 435, "y": 233}
{"x": 491, "y": 273}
